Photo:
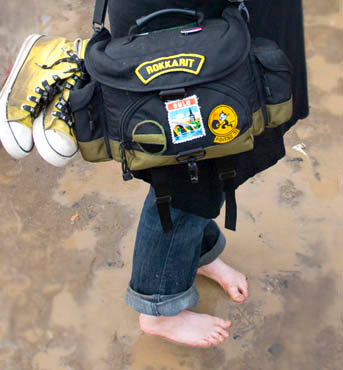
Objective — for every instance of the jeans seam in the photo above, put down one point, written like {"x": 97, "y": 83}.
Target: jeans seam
{"x": 154, "y": 309}
{"x": 169, "y": 249}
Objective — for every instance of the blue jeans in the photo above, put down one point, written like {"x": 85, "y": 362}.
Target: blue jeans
{"x": 165, "y": 265}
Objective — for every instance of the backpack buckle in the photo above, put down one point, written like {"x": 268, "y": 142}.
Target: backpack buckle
{"x": 97, "y": 27}
{"x": 163, "y": 199}
{"x": 190, "y": 157}
{"x": 174, "y": 94}
{"x": 225, "y": 175}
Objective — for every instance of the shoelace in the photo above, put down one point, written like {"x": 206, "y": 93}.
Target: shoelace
{"x": 45, "y": 95}
{"x": 49, "y": 91}
{"x": 63, "y": 111}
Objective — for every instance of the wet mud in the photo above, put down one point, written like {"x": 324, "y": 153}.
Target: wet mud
{"x": 67, "y": 235}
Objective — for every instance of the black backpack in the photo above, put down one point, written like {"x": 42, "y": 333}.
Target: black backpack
{"x": 173, "y": 97}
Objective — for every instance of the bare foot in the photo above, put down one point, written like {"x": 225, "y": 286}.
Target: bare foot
{"x": 189, "y": 328}
{"x": 233, "y": 282}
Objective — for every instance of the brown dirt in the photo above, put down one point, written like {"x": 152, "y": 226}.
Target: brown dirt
{"x": 67, "y": 235}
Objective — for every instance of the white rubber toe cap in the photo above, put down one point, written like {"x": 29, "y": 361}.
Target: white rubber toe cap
{"x": 16, "y": 138}
{"x": 53, "y": 146}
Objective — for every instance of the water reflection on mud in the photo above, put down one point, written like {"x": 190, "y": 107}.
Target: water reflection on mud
{"x": 63, "y": 279}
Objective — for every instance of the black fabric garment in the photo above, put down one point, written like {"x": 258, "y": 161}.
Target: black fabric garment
{"x": 280, "y": 21}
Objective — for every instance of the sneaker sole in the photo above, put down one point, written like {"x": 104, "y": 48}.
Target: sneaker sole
{"x": 50, "y": 144}
{"x": 12, "y": 132}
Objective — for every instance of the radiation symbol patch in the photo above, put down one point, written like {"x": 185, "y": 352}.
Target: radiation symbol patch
{"x": 223, "y": 122}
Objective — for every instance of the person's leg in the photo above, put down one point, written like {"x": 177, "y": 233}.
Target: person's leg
{"x": 165, "y": 264}
{"x": 210, "y": 265}
{"x": 162, "y": 284}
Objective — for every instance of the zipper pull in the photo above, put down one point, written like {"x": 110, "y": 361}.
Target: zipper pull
{"x": 127, "y": 174}
{"x": 267, "y": 91}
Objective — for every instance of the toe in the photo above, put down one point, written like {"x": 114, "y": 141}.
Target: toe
{"x": 217, "y": 337}
{"x": 220, "y": 339}
{"x": 223, "y": 323}
{"x": 227, "y": 324}
{"x": 223, "y": 332}
{"x": 210, "y": 341}
{"x": 213, "y": 339}
{"x": 237, "y": 294}
{"x": 236, "y": 297}
{"x": 243, "y": 288}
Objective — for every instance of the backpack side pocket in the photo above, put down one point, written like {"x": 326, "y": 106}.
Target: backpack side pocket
{"x": 90, "y": 123}
{"x": 275, "y": 75}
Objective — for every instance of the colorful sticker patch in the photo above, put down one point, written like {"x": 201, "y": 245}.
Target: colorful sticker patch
{"x": 189, "y": 63}
{"x": 223, "y": 122}
{"x": 185, "y": 120}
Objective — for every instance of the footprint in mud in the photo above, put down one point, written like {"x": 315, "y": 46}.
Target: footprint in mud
{"x": 289, "y": 195}
{"x": 246, "y": 317}
{"x": 294, "y": 163}
{"x": 315, "y": 165}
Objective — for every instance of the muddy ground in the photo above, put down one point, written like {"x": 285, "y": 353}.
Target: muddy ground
{"x": 67, "y": 235}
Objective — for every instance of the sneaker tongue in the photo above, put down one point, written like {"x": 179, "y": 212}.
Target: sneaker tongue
{"x": 77, "y": 46}
{"x": 80, "y": 47}
{"x": 19, "y": 115}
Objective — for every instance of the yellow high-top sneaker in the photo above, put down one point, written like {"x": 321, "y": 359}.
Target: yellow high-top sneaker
{"x": 43, "y": 64}
{"x": 53, "y": 134}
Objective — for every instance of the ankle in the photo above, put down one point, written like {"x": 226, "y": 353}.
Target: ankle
{"x": 211, "y": 268}
{"x": 147, "y": 323}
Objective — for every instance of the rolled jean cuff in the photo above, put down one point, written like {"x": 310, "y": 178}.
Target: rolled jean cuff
{"x": 162, "y": 305}
{"x": 213, "y": 253}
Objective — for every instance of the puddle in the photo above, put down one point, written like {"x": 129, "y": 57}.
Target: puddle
{"x": 63, "y": 280}
{"x": 329, "y": 80}
{"x": 81, "y": 240}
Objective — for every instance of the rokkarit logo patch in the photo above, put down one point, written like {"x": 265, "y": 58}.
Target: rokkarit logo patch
{"x": 189, "y": 63}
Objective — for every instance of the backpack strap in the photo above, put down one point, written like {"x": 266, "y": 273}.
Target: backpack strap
{"x": 99, "y": 15}
{"x": 242, "y": 8}
{"x": 159, "y": 181}
{"x": 226, "y": 169}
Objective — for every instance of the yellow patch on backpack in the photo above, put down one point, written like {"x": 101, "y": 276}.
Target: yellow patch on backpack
{"x": 223, "y": 122}
{"x": 189, "y": 63}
